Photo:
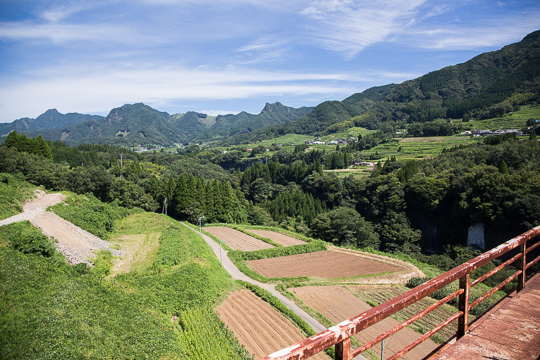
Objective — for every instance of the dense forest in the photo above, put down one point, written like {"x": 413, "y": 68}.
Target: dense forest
{"x": 414, "y": 207}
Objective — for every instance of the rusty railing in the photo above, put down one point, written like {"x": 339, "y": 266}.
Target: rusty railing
{"x": 340, "y": 335}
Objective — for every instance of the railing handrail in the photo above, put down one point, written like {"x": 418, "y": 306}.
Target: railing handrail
{"x": 343, "y": 331}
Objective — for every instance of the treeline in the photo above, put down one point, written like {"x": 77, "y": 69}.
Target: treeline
{"x": 90, "y": 155}
{"x": 95, "y": 180}
{"x": 295, "y": 205}
{"x": 433, "y": 128}
{"x": 189, "y": 197}
{"x": 21, "y": 142}
{"x": 257, "y": 175}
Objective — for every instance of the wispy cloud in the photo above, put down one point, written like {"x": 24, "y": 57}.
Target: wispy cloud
{"x": 62, "y": 33}
{"x": 90, "y": 56}
{"x": 484, "y": 34}
{"x": 64, "y": 10}
{"x": 348, "y": 26}
{"x": 97, "y": 90}
{"x": 265, "y": 49}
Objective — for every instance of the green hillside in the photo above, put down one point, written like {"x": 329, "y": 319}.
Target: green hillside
{"x": 50, "y": 309}
{"x": 489, "y": 85}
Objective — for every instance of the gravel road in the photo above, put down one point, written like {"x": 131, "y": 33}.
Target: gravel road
{"x": 76, "y": 244}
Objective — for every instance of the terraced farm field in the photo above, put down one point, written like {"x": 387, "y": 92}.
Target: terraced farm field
{"x": 339, "y": 304}
{"x": 277, "y": 237}
{"x": 258, "y": 326}
{"x": 330, "y": 264}
{"x": 237, "y": 240}
{"x": 380, "y": 294}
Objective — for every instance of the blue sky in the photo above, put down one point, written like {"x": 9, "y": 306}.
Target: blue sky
{"x": 226, "y": 56}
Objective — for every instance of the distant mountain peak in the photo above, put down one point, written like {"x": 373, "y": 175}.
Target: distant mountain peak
{"x": 50, "y": 114}
{"x": 275, "y": 107}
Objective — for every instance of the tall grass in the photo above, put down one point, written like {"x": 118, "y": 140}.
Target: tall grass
{"x": 90, "y": 214}
{"x": 14, "y": 191}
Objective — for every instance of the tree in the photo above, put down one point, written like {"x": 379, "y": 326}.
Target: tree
{"x": 193, "y": 212}
{"x": 12, "y": 139}
{"x": 503, "y": 168}
{"x": 344, "y": 226}
{"x": 43, "y": 149}
{"x": 259, "y": 216}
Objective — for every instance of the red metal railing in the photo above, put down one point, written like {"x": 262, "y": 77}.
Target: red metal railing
{"x": 340, "y": 335}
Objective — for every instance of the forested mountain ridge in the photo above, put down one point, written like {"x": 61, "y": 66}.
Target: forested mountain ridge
{"x": 272, "y": 114}
{"x": 491, "y": 83}
{"x": 139, "y": 124}
{"x": 126, "y": 125}
{"x": 483, "y": 81}
{"x": 51, "y": 119}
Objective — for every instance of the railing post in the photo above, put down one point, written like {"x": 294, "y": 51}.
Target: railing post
{"x": 463, "y": 321}
{"x": 343, "y": 350}
{"x": 522, "y": 265}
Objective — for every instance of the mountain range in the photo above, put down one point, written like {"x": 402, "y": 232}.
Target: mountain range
{"x": 500, "y": 78}
{"x": 139, "y": 124}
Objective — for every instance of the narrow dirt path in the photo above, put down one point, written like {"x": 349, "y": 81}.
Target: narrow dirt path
{"x": 76, "y": 244}
{"x": 238, "y": 275}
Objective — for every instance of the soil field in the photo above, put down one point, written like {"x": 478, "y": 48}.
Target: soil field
{"x": 258, "y": 326}
{"x": 380, "y": 294}
{"x": 277, "y": 237}
{"x": 424, "y": 139}
{"x": 339, "y": 304}
{"x": 237, "y": 240}
{"x": 328, "y": 264}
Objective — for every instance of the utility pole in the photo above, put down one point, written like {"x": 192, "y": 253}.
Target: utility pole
{"x": 383, "y": 345}
{"x": 164, "y": 210}
{"x": 199, "y": 222}
{"x": 121, "y": 164}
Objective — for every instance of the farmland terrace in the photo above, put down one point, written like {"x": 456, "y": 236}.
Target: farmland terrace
{"x": 511, "y": 331}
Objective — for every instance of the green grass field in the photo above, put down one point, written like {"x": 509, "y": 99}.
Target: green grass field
{"x": 515, "y": 120}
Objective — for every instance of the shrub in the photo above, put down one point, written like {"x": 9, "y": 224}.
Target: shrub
{"x": 90, "y": 214}
{"x": 24, "y": 237}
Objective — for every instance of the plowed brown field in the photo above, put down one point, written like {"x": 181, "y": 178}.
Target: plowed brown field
{"x": 339, "y": 304}
{"x": 322, "y": 264}
{"x": 237, "y": 240}
{"x": 257, "y": 326}
{"x": 277, "y": 237}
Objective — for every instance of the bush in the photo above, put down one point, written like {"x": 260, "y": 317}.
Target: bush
{"x": 103, "y": 263}
{"x": 24, "y": 237}
{"x": 90, "y": 214}
{"x": 416, "y": 281}
{"x": 278, "y": 251}
{"x": 14, "y": 190}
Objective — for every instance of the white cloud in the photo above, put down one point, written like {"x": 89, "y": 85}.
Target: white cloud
{"x": 61, "y": 33}
{"x": 265, "y": 49}
{"x": 348, "y": 26}
{"x": 484, "y": 34}
{"x": 63, "y": 11}
{"x": 97, "y": 90}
